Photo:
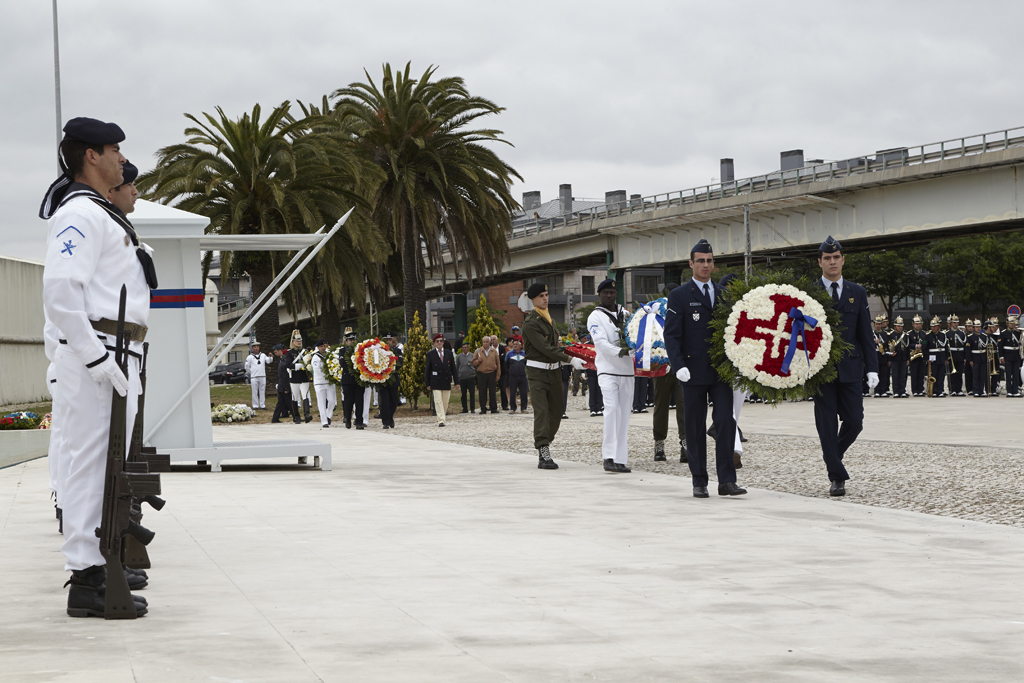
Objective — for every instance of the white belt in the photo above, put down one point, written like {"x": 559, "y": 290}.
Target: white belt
{"x": 542, "y": 366}
{"x": 982, "y": 351}
{"x": 1011, "y": 348}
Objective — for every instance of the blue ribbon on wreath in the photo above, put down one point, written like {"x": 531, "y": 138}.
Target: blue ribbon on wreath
{"x": 799, "y": 321}
{"x": 642, "y": 353}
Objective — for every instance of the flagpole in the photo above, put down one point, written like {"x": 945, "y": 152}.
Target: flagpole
{"x": 56, "y": 76}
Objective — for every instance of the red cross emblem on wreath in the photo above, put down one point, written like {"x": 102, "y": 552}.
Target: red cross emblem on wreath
{"x": 759, "y": 334}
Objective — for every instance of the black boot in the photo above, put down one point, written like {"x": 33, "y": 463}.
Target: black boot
{"x": 609, "y": 465}
{"x": 682, "y": 453}
{"x": 88, "y": 590}
{"x": 306, "y": 410}
{"x": 545, "y": 462}
{"x": 659, "y": 450}
{"x": 296, "y": 418}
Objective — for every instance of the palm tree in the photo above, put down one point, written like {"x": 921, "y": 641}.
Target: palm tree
{"x": 441, "y": 188}
{"x": 279, "y": 175}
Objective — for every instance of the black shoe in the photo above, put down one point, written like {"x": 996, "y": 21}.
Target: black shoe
{"x": 837, "y": 488}
{"x": 135, "y": 581}
{"x": 593, "y": 413}
{"x": 619, "y": 467}
{"x": 325, "y": 426}
{"x": 463, "y": 411}
{"x": 600, "y": 413}
{"x": 609, "y": 465}
{"x": 682, "y": 454}
{"x": 659, "y": 451}
{"x": 87, "y": 597}
{"x": 701, "y": 492}
{"x": 730, "y": 488}
{"x": 274, "y": 422}
{"x": 642, "y": 410}
{"x": 60, "y": 521}
{"x": 348, "y": 424}
{"x": 736, "y": 462}
{"x": 360, "y": 426}
{"x": 564, "y": 416}
{"x": 743, "y": 439}
{"x": 711, "y": 431}
{"x": 545, "y": 462}
{"x": 440, "y": 424}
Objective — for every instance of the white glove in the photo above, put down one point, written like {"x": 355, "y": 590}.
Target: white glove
{"x": 1022, "y": 374}
{"x": 107, "y": 371}
{"x": 683, "y": 374}
{"x": 577, "y": 363}
{"x": 872, "y": 380}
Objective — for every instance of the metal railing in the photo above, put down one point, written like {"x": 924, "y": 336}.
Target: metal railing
{"x": 879, "y": 161}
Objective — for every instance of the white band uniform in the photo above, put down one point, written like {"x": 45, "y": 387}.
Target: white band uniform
{"x": 616, "y": 378}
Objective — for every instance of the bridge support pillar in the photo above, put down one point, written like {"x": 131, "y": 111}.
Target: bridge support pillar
{"x": 461, "y": 317}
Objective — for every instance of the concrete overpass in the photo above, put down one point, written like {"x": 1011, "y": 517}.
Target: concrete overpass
{"x": 893, "y": 197}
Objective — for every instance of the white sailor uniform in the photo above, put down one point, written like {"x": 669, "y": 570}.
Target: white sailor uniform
{"x": 615, "y": 377}
{"x": 326, "y": 393}
{"x": 89, "y": 257}
{"x": 256, "y": 366}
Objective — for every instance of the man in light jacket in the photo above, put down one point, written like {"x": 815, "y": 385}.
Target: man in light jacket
{"x": 467, "y": 378}
{"x": 614, "y": 375}
{"x": 488, "y": 370}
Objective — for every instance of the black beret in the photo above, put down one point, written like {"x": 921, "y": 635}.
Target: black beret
{"x": 830, "y": 246}
{"x": 605, "y": 284}
{"x": 278, "y": 347}
{"x": 702, "y": 247}
{"x": 93, "y": 131}
{"x": 130, "y": 171}
{"x": 321, "y": 341}
{"x": 536, "y": 289}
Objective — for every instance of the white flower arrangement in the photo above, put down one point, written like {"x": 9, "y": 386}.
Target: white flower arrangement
{"x": 651, "y": 354}
{"x": 761, "y": 318}
{"x": 227, "y": 412}
{"x": 304, "y": 361}
{"x": 332, "y": 365}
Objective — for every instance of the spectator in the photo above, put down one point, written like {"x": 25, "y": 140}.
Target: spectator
{"x": 488, "y": 370}
{"x": 515, "y": 363}
{"x": 467, "y": 378}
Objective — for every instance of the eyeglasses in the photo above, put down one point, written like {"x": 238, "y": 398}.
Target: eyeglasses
{"x": 701, "y": 262}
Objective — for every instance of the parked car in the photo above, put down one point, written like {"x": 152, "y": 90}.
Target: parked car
{"x": 228, "y": 373}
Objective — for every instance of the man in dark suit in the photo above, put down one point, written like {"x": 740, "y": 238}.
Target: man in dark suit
{"x": 438, "y": 373}
{"x": 687, "y": 335}
{"x": 387, "y": 392}
{"x": 842, "y": 399}
{"x": 284, "y": 388}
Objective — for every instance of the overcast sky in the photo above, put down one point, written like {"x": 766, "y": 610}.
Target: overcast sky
{"x": 642, "y": 96}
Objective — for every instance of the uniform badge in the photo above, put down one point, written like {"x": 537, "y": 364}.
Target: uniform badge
{"x": 69, "y": 241}
{"x": 696, "y": 316}
{"x": 851, "y": 299}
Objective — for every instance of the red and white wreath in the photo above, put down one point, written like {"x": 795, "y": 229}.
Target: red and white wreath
{"x": 758, "y": 331}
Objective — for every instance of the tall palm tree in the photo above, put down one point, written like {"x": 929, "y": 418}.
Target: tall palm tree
{"x": 279, "y": 175}
{"x": 441, "y": 187}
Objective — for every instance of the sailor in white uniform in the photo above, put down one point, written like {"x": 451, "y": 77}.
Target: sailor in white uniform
{"x": 91, "y": 252}
{"x": 256, "y": 365}
{"x": 614, "y": 375}
{"x": 326, "y": 392}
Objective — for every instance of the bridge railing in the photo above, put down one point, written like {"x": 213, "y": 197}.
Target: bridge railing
{"x": 879, "y": 161}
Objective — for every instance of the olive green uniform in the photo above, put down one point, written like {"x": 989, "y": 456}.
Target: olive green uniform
{"x": 540, "y": 342}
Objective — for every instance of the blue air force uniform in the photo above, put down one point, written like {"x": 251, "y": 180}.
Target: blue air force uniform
{"x": 841, "y": 399}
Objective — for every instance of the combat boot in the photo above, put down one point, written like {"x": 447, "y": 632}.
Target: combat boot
{"x": 545, "y": 462}
{"x": 306, "y": 410}
{"x": 296, "y": 417}
{"x": 659, "y": 450}
{"x": 88, "y": 592}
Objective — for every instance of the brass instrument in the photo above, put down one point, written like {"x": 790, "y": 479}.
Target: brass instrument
{"x": 881, "y": 345}
{"x": 915, "y": 354}
{"x": 993, "y": 366}
{"x": 951, "y": 363}
{"x": 931, "y": 380}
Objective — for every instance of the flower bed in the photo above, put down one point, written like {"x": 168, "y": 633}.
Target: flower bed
{"x": 23, "y": 420}
{"x": 754, "y": 346}
{"x": 227, "y": 412}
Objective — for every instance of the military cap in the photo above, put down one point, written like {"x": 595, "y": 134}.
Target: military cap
{"x": 321, "y": 342}
{"x": 993, "y": 321}
{"x": 883, "y": 317}
{"x": 935, "y": 322}
{"x": 254, "y": 342}
{"x": 536, "y": 289}
{"x": 606, "y": 284}
{"x": 727, "y": 280}
{"x": 898, "y": 321}
{"x": 130, "y": 172}
{"x": 830, "y": 246}
{"x": 438, "y": 336}
{"x": 93, "y": 131}
{"x": 952, "y": 319}
{"x": 387, "y": 335}
{"x": 349, "y": 334}
{"x": 702, "y": 247}
{"x": 278, "y": 347}
{"x": 917, "y": 319}
{"x": 1012, "y": 319}
{"x": 879, "y": 318}
{"x": 977, "y": 322}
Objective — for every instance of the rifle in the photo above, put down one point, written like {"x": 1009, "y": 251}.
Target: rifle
{"x": 133, "y": 551}
{"x": 119, "y": 487}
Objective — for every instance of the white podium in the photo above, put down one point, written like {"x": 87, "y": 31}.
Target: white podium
{"x": 177, "y": 340}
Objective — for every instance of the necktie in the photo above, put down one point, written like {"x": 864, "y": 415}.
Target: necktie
{"x": 707, "y": 296}
{"x": 835, "y": 294}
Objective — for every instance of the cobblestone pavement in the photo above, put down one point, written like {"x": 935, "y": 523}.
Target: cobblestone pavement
{"x": 981, "y": 484}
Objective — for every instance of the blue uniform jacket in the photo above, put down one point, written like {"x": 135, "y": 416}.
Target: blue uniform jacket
{"x": 855, "y": 318}
{"x": 688, "y": 331}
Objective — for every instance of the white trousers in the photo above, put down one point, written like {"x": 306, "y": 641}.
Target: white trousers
{"x": 738, "y": 396}
{"x": 441, "y": 397}
{"x": 367, "y": 401}
{"x": 300, "y": 392}
{"x": 326, "y": 401}
{"x": 259, "y": 392}
{"x": 618, "y": 401}
{"x": 86, "y": 429}
{"x": 53, "y": 454}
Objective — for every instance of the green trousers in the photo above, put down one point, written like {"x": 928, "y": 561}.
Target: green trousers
{"x": 664, "y": 387}
{"x": 546, "y": 397}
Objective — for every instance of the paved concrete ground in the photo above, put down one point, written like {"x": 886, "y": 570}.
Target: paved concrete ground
{"x": 417, "y": 560}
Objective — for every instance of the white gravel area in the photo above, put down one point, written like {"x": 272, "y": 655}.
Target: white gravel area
{"x": 976, "y": 483}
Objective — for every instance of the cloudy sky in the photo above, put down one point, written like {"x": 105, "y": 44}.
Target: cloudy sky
{"x": 644, "y": 96}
